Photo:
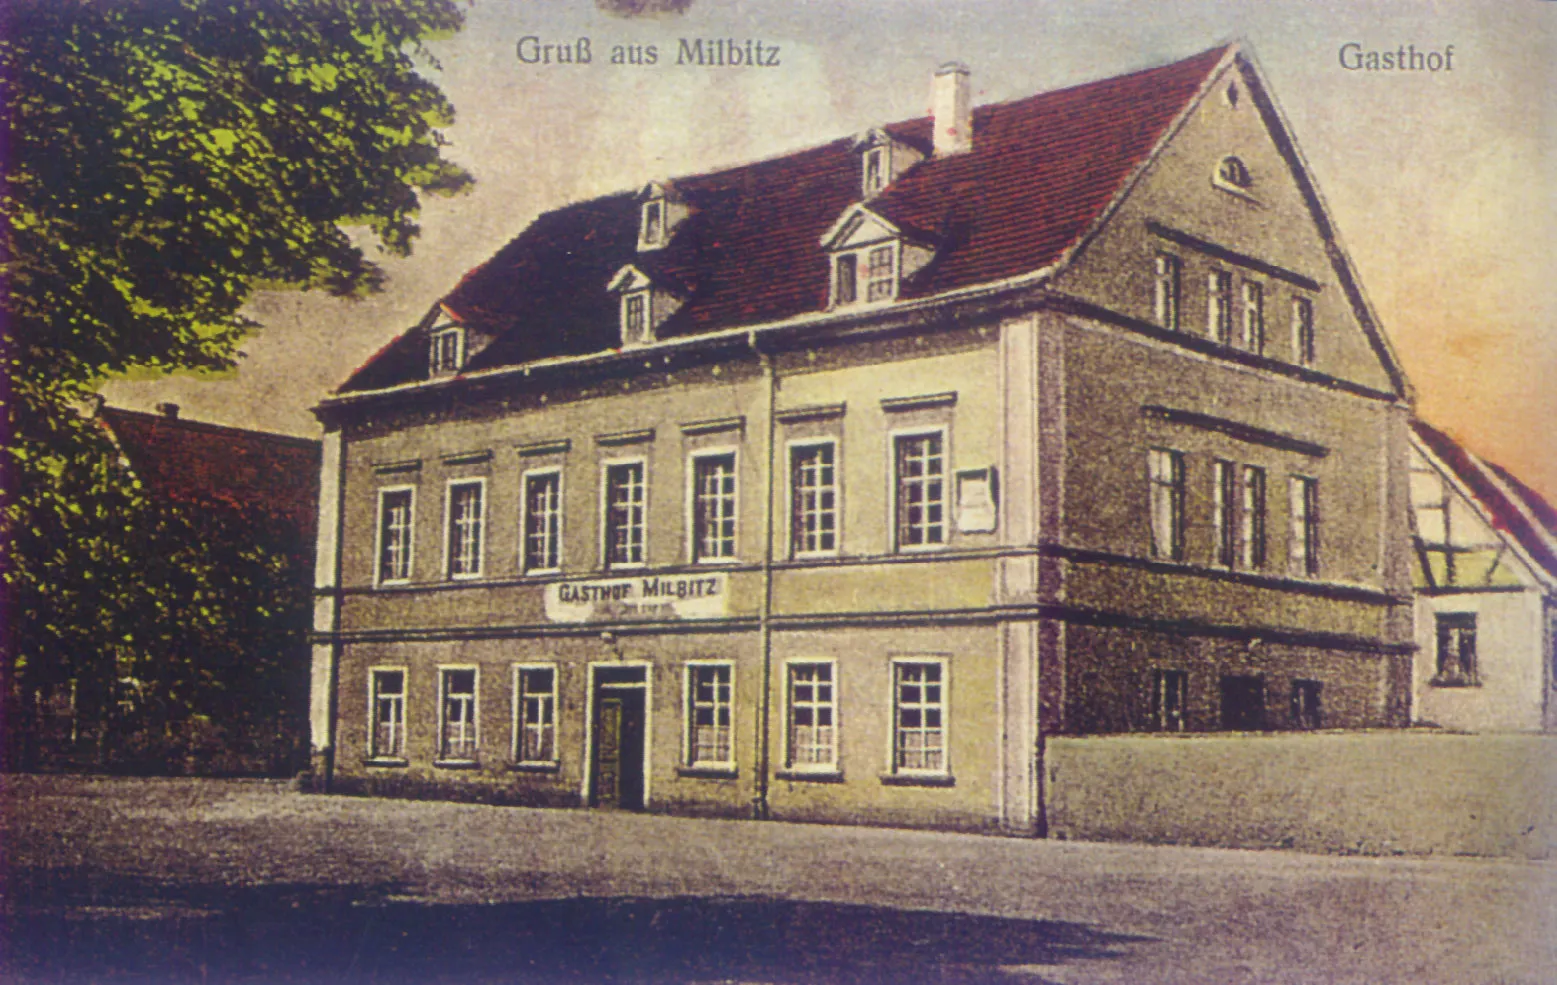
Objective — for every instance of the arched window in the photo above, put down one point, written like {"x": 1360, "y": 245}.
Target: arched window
{"x": 1233, "y": 172}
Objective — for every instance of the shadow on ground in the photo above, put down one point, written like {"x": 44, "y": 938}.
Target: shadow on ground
{"x": 93, "y": 930}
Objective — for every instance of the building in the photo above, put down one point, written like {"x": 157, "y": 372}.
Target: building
{"x": 1486, "y": 579}
{"x": 827, "y": 487}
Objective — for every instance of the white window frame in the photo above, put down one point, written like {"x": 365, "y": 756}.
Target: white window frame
{"x": 644, "y": 232}
{"x": 646, "y": 335}
{"x": 690, "y": 707}
{"x": 1303, "y": 543}
{"x": 519, "y": 725}
{"x": 862, "y": 278}
{"x": 895, "y": 270}
{"x": 606, "y": 564}
{"x": 1225, "y": 521}
{"x": 374, "y": 753}
{"x": 894, "y": 489}
{"x": 1168, "y": 290}
{"x": 790, "y": 765}
{"x": 694, "y": 549}
{"x": 1219, "y": 305}
{"x": 1178, "y": 480}
{"x": 1254, "y": 524}
{"x": 1251, "y": 296}
{"x": 410, "y": 538}
{"x": 1303, "y": 338}
{"x": 897, "y": 662}
{"x": 448, "y": 529}
{"x": 790, "y": 448}
{"x": 881, "y": 155}
{"x": 524, "y": 519}
{"x": 1160, "y": 720}
{"x": 475, "y": 713}
{"x": 436, "y": 365}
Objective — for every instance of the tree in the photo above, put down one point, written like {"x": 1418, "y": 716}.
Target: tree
{"x": 164, "y": 159}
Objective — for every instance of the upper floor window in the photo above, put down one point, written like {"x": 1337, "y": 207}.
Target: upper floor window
{"x": 464, "y": 533}
{"x": 846, "y": 278}
{"x": 1231, "y": 171}
{"x": 1303, "y": 331}
{"x": 920, "y": 490}
{"x": 713, "y": 507}
{"x": 625, "y": 505}
{"x": 446, "y": 351}
{"x": 542, "y": 521}
{"x": 881, "y": 274}
{"x": 660, "y": 211}
{"x": 1165, "y": 293}
{"x": 869, "y": 257}
{"x": 813, "y": 484}
{"x": 394, "y": 534}
{"x": 1253, "y": 316}
{"x": 1219, "y": 305}
{"x": 1253, "y": 517}
{"x": 812, "y": 717}
{"x": 1456, "y": 648}
{"x": 1224, "y": 511}
{"x": 1166, "y": 477}
{"x": 1304, "y": 551}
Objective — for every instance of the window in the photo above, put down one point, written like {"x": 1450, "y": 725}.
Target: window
{"x": 1224, "y": 512}
{"x": 1167, "y": 503}
{"x": 875, "y": 173}
{"x": 921, "y": 491}
{"x": 653, "y": 222}
{"x": 845, "y": 279}
{"x": 1165, "y": 296}
{"x": 464, "y": 534}
{"x": 1219, "y": 305}
{"x": 708, "y": 715}
{"x": 814, "y": 499}
{"x": 624, "y": 516}
{"x": 919, "y": 716}
{"x": 445, "y": 353}
{"x": 1303, "y": 331}
{"x": 394, "y": 535}
{"x": 1232, "y": 171}
{"x": 1305, "y": 705}
{"x": 635, "y": 317}
{"x": 542, "y": 521}
{"x": 881, "y": 274}
{"x": 535, "y": 715}
{"x": 1456, "y": 648}
{"x": 1170, "y": 696}
{"x": 1304, "y": 551}
{"x": 1253, "y": 316}
{"x": 387, "y": 740}
{"x": 813, "y": 734}
{"x": 457, "y": 713}
{"x": 1253, "y": 517}
{"x": 1243, "y": 702}
{"x": 713, "y": 507}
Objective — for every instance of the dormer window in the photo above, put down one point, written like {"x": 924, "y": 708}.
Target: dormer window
{"x": 653, "y": 222}
{"x": 869, "y": 257}
{"x": 635, "y": 318}
{"x": 660, "y": 211}
{"x": 446, "y": 350}
{"x": 642, "y": 305}
{"x": 882, "y": 159}
{"x": 875, "y": 177}
{"x": 1234, "y": 174}
{"x": 846, "y": 278}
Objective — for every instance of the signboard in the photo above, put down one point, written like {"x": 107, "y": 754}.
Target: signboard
{"x": 697, "y": 596}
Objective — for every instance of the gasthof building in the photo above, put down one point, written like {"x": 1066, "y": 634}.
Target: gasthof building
{"x": 826, "y": 487}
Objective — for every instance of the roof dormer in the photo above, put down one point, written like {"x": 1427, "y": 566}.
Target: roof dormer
{"x": 882, "y": 159}
{"x": 660, "y": 211}
{"x": 642, "y": 306}
{"x": 869, "y": 258}
{"x": 451, "y": 344}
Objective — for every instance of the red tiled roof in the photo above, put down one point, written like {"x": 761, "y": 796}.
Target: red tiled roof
{"x": 193, "y": 462}
{"x": 1506, "y": 506}
{"x": 1042, "y": 169}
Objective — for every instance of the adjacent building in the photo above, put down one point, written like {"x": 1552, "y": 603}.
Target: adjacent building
{"x": 1486, "y": 581}
{"x": 827, "y": 487}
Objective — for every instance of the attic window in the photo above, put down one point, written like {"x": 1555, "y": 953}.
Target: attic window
{"x": 653, "y": 223}
{"x": 876, "y": 266}
{"x": 635, "y": 318}
{"x": 1232, "y": 95}
{"x": 875, "y": 171}
{"x": 1233, "y": 173}
{"x": 446, "y": 350}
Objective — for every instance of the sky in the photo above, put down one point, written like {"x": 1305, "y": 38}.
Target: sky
{"x": 1441, "y": 184}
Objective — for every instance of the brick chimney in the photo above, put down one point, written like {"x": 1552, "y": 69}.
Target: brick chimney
{"x": 951, "y": 104}
{"x": 170, "y": 411}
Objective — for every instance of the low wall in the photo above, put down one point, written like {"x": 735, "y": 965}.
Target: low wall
{"x": 1374, "y": 793}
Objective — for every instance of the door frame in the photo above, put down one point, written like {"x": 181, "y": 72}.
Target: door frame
{"x": 589, "y": 722}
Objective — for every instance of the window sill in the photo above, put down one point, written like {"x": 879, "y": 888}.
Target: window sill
{"x": 921, "y": 548}
{"x": 547, "y": 767}
{"x": 539, "y": 572}
{"x": 476, "y": 576}
{"x": 918, "y": 780}
{"x": 716, "y": 562}
{"x": 708, "y": 772}
{"x": 811, "y": 776}
{"x": 457, "y": 764}
{"x": 390, "y": 761}
{"x": 1454, "y": 682}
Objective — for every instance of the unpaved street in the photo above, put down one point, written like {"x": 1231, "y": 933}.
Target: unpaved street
{"x": 216, "y": 881}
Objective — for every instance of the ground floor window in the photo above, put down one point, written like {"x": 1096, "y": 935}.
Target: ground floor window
{"x": 387, "y": 701}
{"x": 1170, "y": 695}
{"x": 457, "y": 705}
{"x": 535, "y": 710}
{"x": 1305, "y": 704}
{"x": 1456, "y": 648}
{"x": 919, "y": 698}
{"x": 708, "y": 715}
{"x": 1243, "y": 702}
{"x": 813, "y": 734}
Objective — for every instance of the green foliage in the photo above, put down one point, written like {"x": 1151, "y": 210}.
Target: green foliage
{"x": 164, "y": 158}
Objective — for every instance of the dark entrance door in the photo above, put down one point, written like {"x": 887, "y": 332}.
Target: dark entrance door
{"x": 1243, "y": 702}
{"x": 617, "y": 779}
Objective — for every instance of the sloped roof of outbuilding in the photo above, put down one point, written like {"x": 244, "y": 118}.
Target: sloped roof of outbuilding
{"x": 1042, "y": 170}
